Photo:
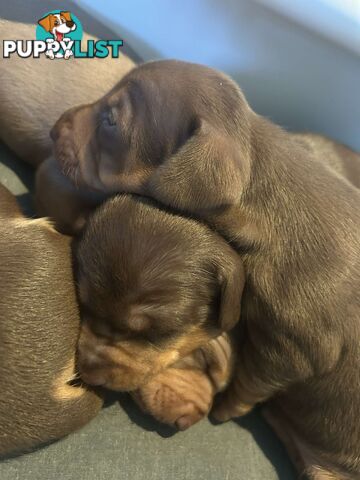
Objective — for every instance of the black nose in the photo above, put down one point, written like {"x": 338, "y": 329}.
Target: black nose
{"x": 69, "y": 23}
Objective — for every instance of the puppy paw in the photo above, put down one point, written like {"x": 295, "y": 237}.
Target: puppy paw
{"x": 226, "y": 409}
{"x": 50, "y": 54}
{"x": 68, "y": 54}
{"x": 176, "y": 397}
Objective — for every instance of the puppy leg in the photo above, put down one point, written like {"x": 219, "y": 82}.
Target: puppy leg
{"x": 307, "y": 463}
{"x": 244, "y": 391}
{"x": 57, "y": 198}
{"x": 265, "y": 368}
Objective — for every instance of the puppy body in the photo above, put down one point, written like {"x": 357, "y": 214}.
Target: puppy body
{"x": 287, "y": 203}
{"x": 341, "y": 159}
{"x": 38, "y": 334}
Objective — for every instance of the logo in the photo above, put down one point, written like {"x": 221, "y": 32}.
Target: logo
{"x": 58, "y": 35}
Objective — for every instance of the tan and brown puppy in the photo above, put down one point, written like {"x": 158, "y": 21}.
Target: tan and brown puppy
{"x": 182, "y": 394}
{"x": 153, "y": 287}
{"x": 39, "y": 330}
{"x": 289, "y": 204}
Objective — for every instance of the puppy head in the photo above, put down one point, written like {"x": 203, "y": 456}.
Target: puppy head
{"x": 152, "y": 287}
{"x": 175, "y": 131}
{"x": 58, "y": 24}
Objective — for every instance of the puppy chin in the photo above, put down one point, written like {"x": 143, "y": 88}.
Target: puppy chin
{"x": 64, "y": 154}
{"x": 71, "y": 167}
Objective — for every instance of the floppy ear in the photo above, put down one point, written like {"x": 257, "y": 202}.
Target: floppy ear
{"x": 67, "y": 16}
{"x": 206, "y": 172}
{"x": 45, "y": 23}
{"x": 232, "y": 280}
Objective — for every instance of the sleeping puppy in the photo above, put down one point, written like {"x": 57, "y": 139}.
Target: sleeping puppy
{"x": 184, "y": 135}
{"x": 153, "y": 287}
{"x": 39, "y": 330}
{"x": 182, "y": 394}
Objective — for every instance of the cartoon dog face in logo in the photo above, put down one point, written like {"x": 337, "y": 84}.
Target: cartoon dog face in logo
{"x": 58, "y": 24}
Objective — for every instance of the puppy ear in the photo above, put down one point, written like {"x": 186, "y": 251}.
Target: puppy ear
{"x": 45, "y": 23}
{"x": 205, "y": 173}
{"x": 67, "y": 16}
{"x": 232, "y": 280}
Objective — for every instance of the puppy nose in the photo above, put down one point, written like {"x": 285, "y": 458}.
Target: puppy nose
{"x": 69, "y": 23}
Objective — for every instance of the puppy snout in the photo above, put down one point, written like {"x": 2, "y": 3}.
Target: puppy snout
{"x": 62, "y": 126}
{"x": 65, "y": 124}
{"x": 70, "y": 23}
{"x": 90, "y": 370}
{"x": 96, "y": 379}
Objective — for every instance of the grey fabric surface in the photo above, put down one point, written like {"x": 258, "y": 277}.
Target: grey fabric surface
{"x": 122, "y": 443}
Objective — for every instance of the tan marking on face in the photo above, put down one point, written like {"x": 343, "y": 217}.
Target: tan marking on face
{"x": 62, "y": 391}
{"x": 127, "y": 365}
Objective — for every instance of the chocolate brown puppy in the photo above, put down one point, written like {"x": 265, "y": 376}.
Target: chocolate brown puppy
{"x": 153, "y": 287}
{"x": 289, "y": 204}
{"x": 182, "y": 394}
{"x": 39, "y": 330}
